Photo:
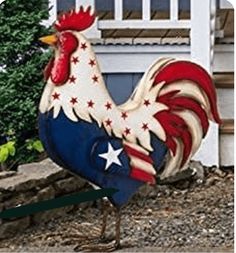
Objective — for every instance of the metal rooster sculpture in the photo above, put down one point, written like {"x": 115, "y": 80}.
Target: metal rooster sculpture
{"x": 155, "y": 132}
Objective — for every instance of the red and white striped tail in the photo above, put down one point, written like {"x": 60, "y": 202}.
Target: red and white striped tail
{"x": 141, "y": 163}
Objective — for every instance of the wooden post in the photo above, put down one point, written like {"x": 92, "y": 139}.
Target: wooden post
{"x": 174, "y": 10}
{"x": 93, "y": 31}
{"x": 118, "y": 9}
{"x": 212, "y": 31}
{"x": 200, "y": 32}
{"x": 146, "y": 13}
{"x": 202, "y": 46}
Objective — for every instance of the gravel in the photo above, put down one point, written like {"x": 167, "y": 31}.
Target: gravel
{"x": 198, "y": 218}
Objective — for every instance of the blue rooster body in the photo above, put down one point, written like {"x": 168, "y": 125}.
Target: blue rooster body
{"x": 76, "y": 146}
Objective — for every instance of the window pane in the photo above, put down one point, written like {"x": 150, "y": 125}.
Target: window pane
{"x": 65, "y": 5}
{"x": 161, "y": 5}
{"x": 160, "y": 9}
{"x": 184, "y": 5}
{"x": 104, "y": 5}
{"x": 132, "y": 5}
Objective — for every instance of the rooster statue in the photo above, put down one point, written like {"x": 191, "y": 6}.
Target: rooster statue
{"x": 155, "y": 133}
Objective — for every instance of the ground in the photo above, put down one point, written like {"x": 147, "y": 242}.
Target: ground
{"x": 198, "y": 217}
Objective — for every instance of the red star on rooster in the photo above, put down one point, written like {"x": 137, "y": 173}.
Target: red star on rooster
{"x": 146, "y": 102}
{"x": 73, "y": 100}
{"x": 145, "y": 126}
{"x": 92, "y": 63}
{"x": 72, "y": 79}
{"x": 90, "y": 104}
{"x": 75, "y": 60}
{"x": 56, "y": 95}
{"x": 108, "y": 122}
{"x": 124, "y": 115}
{"x": 108, "y": 106}
{"x": 127, "y": 131}
{"x": 95, "y": 79}
{"x": 83, "y": 46}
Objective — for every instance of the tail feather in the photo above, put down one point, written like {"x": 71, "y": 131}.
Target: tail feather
{"x": 176, "y": 127}
{"x": 180, "y": 103}
{"x": 184, "y": 104}
{"x": 184, "y": 70}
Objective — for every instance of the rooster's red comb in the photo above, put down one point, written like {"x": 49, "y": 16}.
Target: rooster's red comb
{"x": 73, "y": 20}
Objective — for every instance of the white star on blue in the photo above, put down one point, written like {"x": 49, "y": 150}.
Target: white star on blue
{"x": 111, "y": 156}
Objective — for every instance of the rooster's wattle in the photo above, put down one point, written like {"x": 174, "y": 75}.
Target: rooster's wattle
{"x": 155, "y": 132}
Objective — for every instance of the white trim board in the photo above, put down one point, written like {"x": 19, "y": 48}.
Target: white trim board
{"x": 144, "y": 24}
{"x": 137, "y": 58}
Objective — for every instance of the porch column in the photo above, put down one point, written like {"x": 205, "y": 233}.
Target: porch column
{"x": 202, "y": 36}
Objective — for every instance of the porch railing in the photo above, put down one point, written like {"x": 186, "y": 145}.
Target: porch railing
{"x": 145, "y": 22}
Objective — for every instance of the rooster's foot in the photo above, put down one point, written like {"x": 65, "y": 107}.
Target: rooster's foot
{"x": 103, "y": 245}
{"x": 74, "y": 238}
{"x": 98, "y": 247}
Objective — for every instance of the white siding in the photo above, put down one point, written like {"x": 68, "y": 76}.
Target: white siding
{"x": 226, "y": 103}
{"x": 227, "y": 149}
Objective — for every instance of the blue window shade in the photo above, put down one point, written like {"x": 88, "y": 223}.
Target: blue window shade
{"x": 161, "y": 5}
{"x": 132, "y": 5}
{"x": 164, "y": 5}
{"x": 184, "y": 5}
{"x": 121, "y": 86}
{"x": 65, "y": 5}
{"x": 104, "y": 5}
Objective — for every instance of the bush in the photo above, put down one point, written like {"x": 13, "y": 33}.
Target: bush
{"x": 22, "y": 60}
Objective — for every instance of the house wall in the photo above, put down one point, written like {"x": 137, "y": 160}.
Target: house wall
{"x": 227, "y": 149}
{"x": 121, "y": 85}
{"x": 226, "y": 103}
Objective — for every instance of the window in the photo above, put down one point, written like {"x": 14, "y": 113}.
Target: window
{"x": 65, "y": 5}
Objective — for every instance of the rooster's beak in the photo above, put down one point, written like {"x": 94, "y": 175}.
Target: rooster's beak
{"x": 50, "y": 40}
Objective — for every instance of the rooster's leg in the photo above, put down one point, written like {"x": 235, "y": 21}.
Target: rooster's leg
{"x": 106, "y": 207}
{"x": 104, "y": 245}
{"x": 117, "y": 236}
{"x": 85, "y": 234}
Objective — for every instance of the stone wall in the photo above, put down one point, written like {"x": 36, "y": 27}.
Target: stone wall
{"x": 32, "y": 183}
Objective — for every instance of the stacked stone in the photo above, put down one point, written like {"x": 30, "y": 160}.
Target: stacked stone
{"x": 33, "y": 183}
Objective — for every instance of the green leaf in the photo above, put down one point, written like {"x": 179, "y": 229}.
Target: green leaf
{"x": 37, "y": 145}
{"x": 29, "y": 144}
{"x": 11, "y": 147}
{"x": 4, "y": 153}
